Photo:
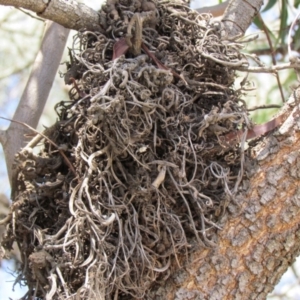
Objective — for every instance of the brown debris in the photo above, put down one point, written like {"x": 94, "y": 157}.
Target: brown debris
{"x": 153, "y": 176}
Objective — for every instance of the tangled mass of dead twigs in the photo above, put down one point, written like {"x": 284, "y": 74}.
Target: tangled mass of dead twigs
{"x": 135, "y": 171}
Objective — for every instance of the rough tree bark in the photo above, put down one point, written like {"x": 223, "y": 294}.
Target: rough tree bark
{"x": 260, "y": 238}
{"x": 239, "y": 15}
{"x": 69, "y": 14}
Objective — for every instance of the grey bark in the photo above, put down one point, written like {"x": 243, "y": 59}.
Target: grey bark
{"x": 36, "y": 92}
{"x": 70, "y": 14}
{"x": 239, "y": 15}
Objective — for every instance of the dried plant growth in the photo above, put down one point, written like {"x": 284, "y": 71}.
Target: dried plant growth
{"x": 150, "y": 102}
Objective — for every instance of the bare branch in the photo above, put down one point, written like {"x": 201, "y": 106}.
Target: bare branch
{"x": 272, "y": 54}
{"x": 263, "y": 107}
{"x": 30, "y": 15}
{"x": 69, "y": 14}
{"x": 269, "y": 69}
{"x": 239, "y": 15}
{"x": 36, "y": 91}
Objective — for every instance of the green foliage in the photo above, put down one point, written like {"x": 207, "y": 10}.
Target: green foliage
{"x": 296, "y": 3}
{"x": 275, "y": 22}
{"x": 270, "y": 4}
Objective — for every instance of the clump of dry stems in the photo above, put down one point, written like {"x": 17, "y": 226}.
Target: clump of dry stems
{"x": 151, "y": 97}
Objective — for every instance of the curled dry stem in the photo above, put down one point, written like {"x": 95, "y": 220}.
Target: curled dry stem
{"x": 152, "y": 172}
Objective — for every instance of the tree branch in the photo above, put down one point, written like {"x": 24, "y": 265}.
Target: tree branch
{"x": 260, "y": 237}
{"x": 239, "y": 15}
{"x": 36, "y": 91}
{"x": 69, "y": 14}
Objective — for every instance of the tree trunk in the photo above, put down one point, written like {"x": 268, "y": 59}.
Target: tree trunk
{"x": 261, "y": 237}
{"x": 239, "y": 15}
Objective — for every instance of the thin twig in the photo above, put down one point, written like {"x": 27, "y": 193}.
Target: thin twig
{"x": 272, "y": 55}
{"x": 30, "y": 15}
{"x": 271, "y": 69}
{"x": 293, "y": 55}
{"x": 267, "y": 106}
